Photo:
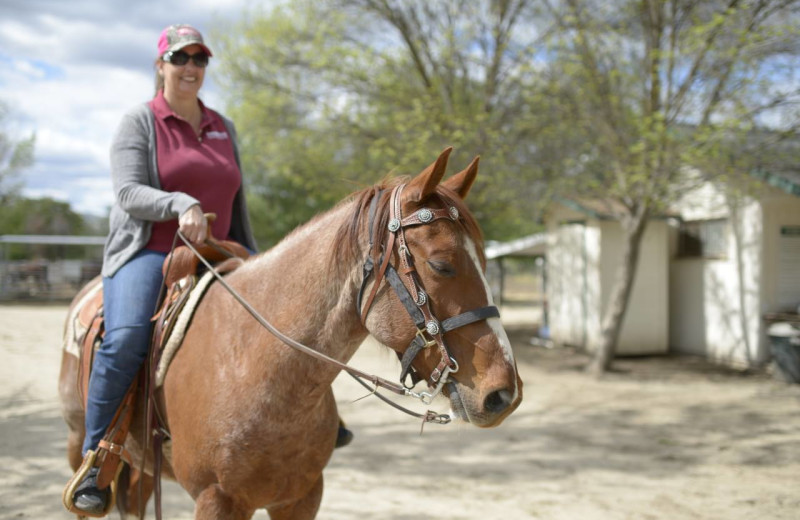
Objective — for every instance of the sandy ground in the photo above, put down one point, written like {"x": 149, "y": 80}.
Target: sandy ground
{"x": 663, "y": 438}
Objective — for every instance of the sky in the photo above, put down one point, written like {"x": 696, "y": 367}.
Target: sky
{"x": 70, "y": 69}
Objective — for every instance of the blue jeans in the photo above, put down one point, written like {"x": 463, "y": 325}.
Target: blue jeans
{"x": 129, "y": 301}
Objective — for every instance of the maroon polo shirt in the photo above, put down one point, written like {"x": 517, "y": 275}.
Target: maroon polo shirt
{"x": 203, "y": 167}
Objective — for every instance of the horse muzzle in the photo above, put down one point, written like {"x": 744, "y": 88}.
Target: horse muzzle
{"x": 485, "y": 410}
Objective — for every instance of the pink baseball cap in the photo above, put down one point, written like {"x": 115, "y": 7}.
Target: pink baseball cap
{"x": 176, "y": 37}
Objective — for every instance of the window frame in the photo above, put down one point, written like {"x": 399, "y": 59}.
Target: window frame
{"x": 695, "y": 237}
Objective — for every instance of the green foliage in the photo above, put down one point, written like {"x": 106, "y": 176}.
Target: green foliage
{"x": 331, "y": 97}
{"x": 23, "y": 216}
{"x": 575, "y": 98}
{"x": 653, "y": 87}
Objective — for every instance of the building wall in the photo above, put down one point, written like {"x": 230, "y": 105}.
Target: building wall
{"x": 712, "y": 307}
{"x": 780, "y": 283}
{"x": 645, "y": 327}
{"x": 732, "y": 292}
{"x": 582, "y": 262}
{"x": 715, "y": 308}
{"x": 566, "y": 282}
{"x": 572, "y": 281}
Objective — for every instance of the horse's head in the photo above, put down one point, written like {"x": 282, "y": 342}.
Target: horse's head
{"x": 436, "y": 310}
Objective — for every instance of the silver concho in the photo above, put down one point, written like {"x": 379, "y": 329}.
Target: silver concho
{"x": 425, "y": 215}
{"x": 453, "y": 212}
{"x": 394, "y": 225}
{"x": 422, "y": 298}
{"x": 432, "y": 327}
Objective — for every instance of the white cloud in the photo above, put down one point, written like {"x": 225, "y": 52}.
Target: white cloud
{"x": 28, "y": 69}
{"x": 51, "y": 193}
{"x": 70, "y": 70}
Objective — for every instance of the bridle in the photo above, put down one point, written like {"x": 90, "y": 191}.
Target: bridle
{"x": 416, "y": 301}
{"x": 430, "y": 331}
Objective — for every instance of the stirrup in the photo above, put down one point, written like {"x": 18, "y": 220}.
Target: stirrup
{"x": 73, "y": 483}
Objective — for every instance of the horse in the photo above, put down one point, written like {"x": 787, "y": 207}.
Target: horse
{"x": 252, "y": 422}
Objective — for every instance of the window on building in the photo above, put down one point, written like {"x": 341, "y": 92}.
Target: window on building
{"x": 704, "y": 239}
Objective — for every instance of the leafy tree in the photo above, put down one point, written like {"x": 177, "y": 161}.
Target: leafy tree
{"x": 14, "y": 156}
{"x": 653, "y": 86}
{"x": 579, "y": 96}
{"x": 329, "y": 96}
{"x": 23, "y": 216}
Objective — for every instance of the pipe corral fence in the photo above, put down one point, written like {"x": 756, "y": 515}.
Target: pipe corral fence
{"x": 47, "y": 267}
{"x": 54, "y": 267}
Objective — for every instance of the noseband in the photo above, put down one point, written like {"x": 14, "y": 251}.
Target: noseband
{"x": 409, "y": 290}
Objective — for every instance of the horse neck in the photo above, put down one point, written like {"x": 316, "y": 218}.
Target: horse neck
{"x": 304, "y": 294}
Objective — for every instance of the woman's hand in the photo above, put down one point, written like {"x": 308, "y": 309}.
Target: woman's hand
{"x": 193, "y": 225}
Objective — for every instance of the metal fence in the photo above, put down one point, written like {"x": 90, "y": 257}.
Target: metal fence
{"x": 38, "y": 278}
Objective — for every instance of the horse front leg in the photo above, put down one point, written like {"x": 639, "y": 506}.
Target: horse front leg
{"x": 304, "y": 509}
{"x": 134, "y": 489}
{"x": 214, "y": 504}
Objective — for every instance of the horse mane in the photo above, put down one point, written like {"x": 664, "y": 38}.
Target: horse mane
{"x": 347, "y": 248}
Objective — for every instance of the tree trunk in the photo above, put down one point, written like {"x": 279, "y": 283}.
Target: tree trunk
{"x": 633, "y": 228}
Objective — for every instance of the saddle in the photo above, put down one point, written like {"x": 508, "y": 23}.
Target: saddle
{"x": 180, "y": 270}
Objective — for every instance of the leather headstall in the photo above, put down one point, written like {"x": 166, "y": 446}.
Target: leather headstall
{"x": 405, "y": 283}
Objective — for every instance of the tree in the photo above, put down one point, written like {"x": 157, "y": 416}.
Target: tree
{"x": 329, "y": 95}
{"x": 21, "y": 215}
{"x": 14, "y": 156}
{"x": 654, "y": 86}
{"x": 581, "y": 97}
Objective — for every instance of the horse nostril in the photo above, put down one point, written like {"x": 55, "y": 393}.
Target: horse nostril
{"x": 497, "y": 401}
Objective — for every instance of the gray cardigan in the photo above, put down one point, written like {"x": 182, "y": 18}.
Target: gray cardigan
{"x": 139, "y": 198}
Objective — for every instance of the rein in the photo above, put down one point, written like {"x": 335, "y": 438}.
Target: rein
{"x": 377, "y": 381}
{"x": 405, "y": 283}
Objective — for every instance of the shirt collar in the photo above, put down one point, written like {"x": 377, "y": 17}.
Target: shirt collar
{"x": 162, "y": 110}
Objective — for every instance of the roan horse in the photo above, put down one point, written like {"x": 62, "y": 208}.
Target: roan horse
{"x": 253, "y": 422}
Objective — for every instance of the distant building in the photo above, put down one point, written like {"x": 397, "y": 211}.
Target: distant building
{"x": 709, "y": 272}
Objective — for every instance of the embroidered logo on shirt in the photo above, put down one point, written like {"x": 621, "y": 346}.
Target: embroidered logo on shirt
{"x": 216, "y": 135}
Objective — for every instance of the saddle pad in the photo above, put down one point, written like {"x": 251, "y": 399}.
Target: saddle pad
{"x": 175, "y": 339}
{"x": 75, "y": 330}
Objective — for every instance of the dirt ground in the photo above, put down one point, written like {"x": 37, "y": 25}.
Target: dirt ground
{"x": 660, "y": 438}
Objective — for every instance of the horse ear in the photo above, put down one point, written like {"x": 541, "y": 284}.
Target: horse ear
{"x": 462, "y": 181}
{"x": 425, "y": 183}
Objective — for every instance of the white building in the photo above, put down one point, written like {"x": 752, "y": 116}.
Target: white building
{"x": 708, "y": 273}
{"x": 583, "y": 251}
{"x": 733, "y": 261}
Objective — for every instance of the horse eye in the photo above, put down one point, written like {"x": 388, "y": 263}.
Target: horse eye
{"x": 442, "y": 268}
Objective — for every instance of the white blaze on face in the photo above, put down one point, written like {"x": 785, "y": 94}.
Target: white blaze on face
{"x": 494, "y": 323}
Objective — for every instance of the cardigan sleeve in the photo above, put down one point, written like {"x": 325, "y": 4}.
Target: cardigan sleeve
{"x": 135, "y": 186}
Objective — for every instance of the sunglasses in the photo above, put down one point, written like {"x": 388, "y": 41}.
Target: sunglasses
{"x": 180, "y": 58}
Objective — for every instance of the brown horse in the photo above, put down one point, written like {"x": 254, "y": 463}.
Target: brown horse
{"x": 253, "y": 422}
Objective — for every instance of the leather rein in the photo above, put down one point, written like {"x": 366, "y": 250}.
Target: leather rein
{"x": 429, "y": 330}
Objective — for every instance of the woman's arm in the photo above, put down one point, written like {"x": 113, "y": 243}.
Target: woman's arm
{"x": 130, "y": 176}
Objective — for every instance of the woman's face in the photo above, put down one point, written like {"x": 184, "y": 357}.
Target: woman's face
{"x": 183, "y": 80}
